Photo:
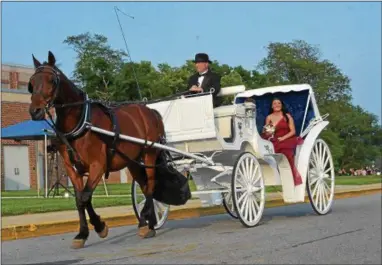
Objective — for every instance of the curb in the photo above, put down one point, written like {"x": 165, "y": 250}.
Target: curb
{"x": 47, "y": 229}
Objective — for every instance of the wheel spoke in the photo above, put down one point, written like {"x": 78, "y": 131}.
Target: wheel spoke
{"x": 141, "y": 204}
{"x": 241, "y": 198}
{"x": 320, "y": 152}
{"x": 250, "y": 175}
{"x": 249, "y": 208}
{"x": 317, "y": 162}
{"x": 243, "y": 177}
{"x": 318, "y": 193}
{"x": 256, "y": 180}
{"x": 329, "y": 169}
{"x": 313, "y": 162}
{"x": 326, "y": 185}
{"x": 327, "y": 197}
{"x": 241, "y": 182}
{"x": 319, "y": 198}
{"x": 314, "y": 190}
{"x": 157, "y": 211}
{"x": 243, "y": 206}
{"x": 253, "y": 207}
{"x": 323, "y": 199}
{"x": 253, "y": 177}
{"x": 314, "y": 180}
{"x": 160, "y": 206}
{"x": 327, "y": 159}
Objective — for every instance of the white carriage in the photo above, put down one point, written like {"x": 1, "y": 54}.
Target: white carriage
{"x": 231, "y": 164}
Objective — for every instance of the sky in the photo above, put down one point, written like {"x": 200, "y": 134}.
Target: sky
{"x": 347, "y": 33}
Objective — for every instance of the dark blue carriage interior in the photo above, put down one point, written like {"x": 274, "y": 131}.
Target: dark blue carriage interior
{"x": 295, "y": 103}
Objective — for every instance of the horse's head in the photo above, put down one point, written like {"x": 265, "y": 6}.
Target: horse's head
{"x": 44, "y": 87}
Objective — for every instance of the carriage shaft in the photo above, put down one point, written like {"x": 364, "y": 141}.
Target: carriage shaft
{"x": 155, "y": 145}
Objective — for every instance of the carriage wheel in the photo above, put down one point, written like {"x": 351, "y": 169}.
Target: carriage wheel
{"x": 228, "y": 204}
{"x": 320, "y": 178}
{"x": 138, "y": 201}
{"x": 248, "y": 190}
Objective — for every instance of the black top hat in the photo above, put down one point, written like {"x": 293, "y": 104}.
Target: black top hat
{"x": 201, "y": 58}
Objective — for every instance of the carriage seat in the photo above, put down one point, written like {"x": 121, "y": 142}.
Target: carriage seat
{"x": 223, "y": 120}
{"x": 223, "y": 114}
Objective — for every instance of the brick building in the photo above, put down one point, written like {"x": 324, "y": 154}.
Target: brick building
{"x": 30, "y": 154}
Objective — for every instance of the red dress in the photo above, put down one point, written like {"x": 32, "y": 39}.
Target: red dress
{"x": 286, "y": 147}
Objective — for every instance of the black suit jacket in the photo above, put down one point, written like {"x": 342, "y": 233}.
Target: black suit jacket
{"x": 210, "y": 80}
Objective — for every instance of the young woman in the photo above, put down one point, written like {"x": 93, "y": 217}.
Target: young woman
{"x": 284, "y": 138}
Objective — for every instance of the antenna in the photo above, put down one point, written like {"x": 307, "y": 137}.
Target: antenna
{"x": 127, "y": 49}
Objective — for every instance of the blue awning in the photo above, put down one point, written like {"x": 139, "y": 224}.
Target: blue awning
{"x": 28, "y": 130}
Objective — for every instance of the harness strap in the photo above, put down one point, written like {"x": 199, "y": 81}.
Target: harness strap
{"x": 110, "y": 151}
{"x": 73, "y": 155}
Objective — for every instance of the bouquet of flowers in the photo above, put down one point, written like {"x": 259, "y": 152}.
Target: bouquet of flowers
{"x": 269, "y": 131}
{"x": 269, "y": 128}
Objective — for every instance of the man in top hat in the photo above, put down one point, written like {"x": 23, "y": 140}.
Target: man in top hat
{"x": 204, "y": 79}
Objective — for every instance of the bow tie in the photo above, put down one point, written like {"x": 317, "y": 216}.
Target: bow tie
{"x": 202, "y": 74}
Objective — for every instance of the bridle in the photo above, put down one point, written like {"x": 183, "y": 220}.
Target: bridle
{"x": 56, "y": 85}
{"x": 53, "y": 104}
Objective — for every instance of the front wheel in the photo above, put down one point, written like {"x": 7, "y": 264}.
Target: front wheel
{"x": 228, "y": 205}
{"x": 138, "y": 201}
{"x": 248, "y": 191}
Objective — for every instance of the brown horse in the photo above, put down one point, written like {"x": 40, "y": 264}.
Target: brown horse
{"x": 85, "y": 151}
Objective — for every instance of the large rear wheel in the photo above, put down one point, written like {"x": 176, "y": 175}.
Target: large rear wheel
{"x": 320, "y": 178}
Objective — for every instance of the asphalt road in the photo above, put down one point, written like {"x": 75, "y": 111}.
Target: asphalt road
{"x": 351, "y": 234}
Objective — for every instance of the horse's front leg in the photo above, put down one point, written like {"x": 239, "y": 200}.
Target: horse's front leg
{"x": 77, "y": 180}
{"x": 95, "y": 174}
{"x": 148, "y": 211}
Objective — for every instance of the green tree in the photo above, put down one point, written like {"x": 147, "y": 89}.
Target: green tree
{"x": 97, "y": 64}
{"x": 299, "y": 62}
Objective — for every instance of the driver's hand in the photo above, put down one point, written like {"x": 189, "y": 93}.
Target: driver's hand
{"x": 196, "y": 89}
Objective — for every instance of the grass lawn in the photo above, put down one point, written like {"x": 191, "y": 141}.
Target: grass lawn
{"x": 41, "y": 205}
{"x": 358, "y": 180}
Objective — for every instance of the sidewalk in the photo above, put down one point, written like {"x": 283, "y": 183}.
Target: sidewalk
{"x": 108, "y": 212}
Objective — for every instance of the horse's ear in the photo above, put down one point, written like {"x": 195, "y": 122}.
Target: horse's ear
{"x": 51, "y": 59}
{"x": 36, "y": 62}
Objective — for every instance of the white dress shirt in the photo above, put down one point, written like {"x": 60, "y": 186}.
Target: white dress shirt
{"x": 201, "y": 78}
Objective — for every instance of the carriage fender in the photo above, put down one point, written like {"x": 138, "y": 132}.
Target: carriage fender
{"x": 306, "y": 148}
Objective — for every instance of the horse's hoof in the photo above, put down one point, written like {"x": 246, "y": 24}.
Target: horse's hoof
{"x": 78, "y": 243}
{"x": 145, "y": 232}
{"x": 104, "y": 232}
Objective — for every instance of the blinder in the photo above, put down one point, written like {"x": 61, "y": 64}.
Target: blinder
{"x": 30, "y": 87}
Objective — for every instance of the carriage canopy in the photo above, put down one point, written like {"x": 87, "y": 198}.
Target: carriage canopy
{"x": 299, "y": 101}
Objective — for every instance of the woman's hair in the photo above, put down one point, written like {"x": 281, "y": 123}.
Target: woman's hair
{"x": 283, "y": 108}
